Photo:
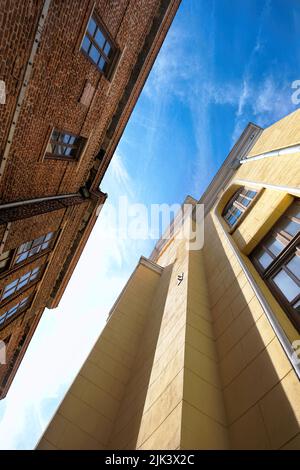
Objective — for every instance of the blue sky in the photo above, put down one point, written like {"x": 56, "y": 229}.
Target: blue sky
{"x": 224, "y": 63}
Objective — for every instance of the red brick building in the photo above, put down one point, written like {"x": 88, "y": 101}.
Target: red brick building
{"x": 73, "y": 70}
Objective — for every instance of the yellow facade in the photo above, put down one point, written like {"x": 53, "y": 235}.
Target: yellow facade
{"x": 199, "y": 364}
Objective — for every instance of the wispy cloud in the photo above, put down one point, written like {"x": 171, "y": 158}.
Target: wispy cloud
{"x": 184, "y": 73}
{"x": 267, "y": 99}
{"x": 65, "y": 335}
{"x": 191, "y": 80}
{"x": 120, "y": 174}
{"x": 180, "y": 74}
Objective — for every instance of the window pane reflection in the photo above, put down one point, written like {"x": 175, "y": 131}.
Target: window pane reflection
{"x": 286, "y": 284}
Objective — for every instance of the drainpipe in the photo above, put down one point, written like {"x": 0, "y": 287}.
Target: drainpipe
{"x": 284, "y": 341}
{"x": 39, "y": 199}
{"x": 274, "y": 153}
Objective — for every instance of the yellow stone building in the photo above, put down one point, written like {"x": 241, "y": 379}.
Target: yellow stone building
{"x": 200, "y": 349}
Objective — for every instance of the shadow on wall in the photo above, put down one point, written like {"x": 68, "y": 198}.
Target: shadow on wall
{"x": 127, "y": 427}
{"x": 261, "y": 390}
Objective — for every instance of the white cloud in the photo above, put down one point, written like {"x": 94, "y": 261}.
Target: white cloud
{"x": 268, "y": 100}
{"x": 120, "y": 174}
{"x": 244, "y": 97}
{"x": 66, "y": 334}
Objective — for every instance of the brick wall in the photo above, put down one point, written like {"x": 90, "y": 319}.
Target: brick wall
{"x": 64, "y": 90}
{"x": 52, "y": 99}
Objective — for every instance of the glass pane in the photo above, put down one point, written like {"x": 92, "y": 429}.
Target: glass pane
{"x": 275, "y": 246}
{"x": 237, "y": 212}
{"x": 55, "y": 134}
{"x": 107, "y": 48}
{"x": 33, "y": 276}
{"x": 10, "y": 313}
{"x": 8, "y": 293}
{"x": 12, "y": 310}
{"x": 50, "y": 148}
{"x": 34, "y": 250}
{"x": 264, "y": 259}
{"x": 48, "y": 236}
{"x": 86, "y": 44}
{"x": 25, "y": 276}
{"x": 72, "y": 139}
{"x": 35, "y": 270}
{"x": 294, "y": 266}
{"x": 91, "y": 26}
{"x": 54, "y": 149}
{"x": 99, "y": 38}
{"x": 12, "y": 284}
{"x": 251, "y": 194}
{"x": 101, "y": 64}
{"x": 232, "y": 220}
{"x": 22, "y": 257}
{"x": 66, "y": 138}
{"x": 22, "y": 284}
{"x": 286, "y": 284}
{"x": 297, "y": 306}
{"x": 38, "y": 241}
{"x": 291, "y": 227}
{"x": 245, "y": 202}
{"x": 94, "y": 54}
{"x": 44, "y": 246}
{"x": 68, "y": 151}
{"x": 24, "y": 247}
{"x": 59, "y": 149}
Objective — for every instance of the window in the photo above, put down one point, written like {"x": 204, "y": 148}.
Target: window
{"x": 20, "y": 282}
{"x": 17, "y": 308}
{"x": 277, "y": 258}
{"x": 237, "y": 205}
{"x": 33, "y": 247}
{"x": 64, "y": 145}
{"x": 99, "y": 46}
{"x": 5, "y": 259}
{"x": 9, "y": 259}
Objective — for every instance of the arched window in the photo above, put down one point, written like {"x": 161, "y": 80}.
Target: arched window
{"x": 238, "y": 204}
{"x": 277, "y": 259}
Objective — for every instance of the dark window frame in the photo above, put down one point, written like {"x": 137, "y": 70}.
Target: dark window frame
{"x": 27, "y": 305}
{"x": 50, "y": 242}
{"x": 15, "y": 266}
{"x": 110, "y": 61}
{"x": 79, "y": 146}
{"x": 235, "y": 205}
{"x": 16, "y": 293}
{"x": 9, "y": 260}
{"x": 291, "y": 248}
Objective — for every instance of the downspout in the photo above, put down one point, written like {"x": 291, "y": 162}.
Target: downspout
{"x": 9, "y": 205}
{"x": 287, "y": 189}
{"x": 274, "y": 153}
{"x": 284, "y": 341}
